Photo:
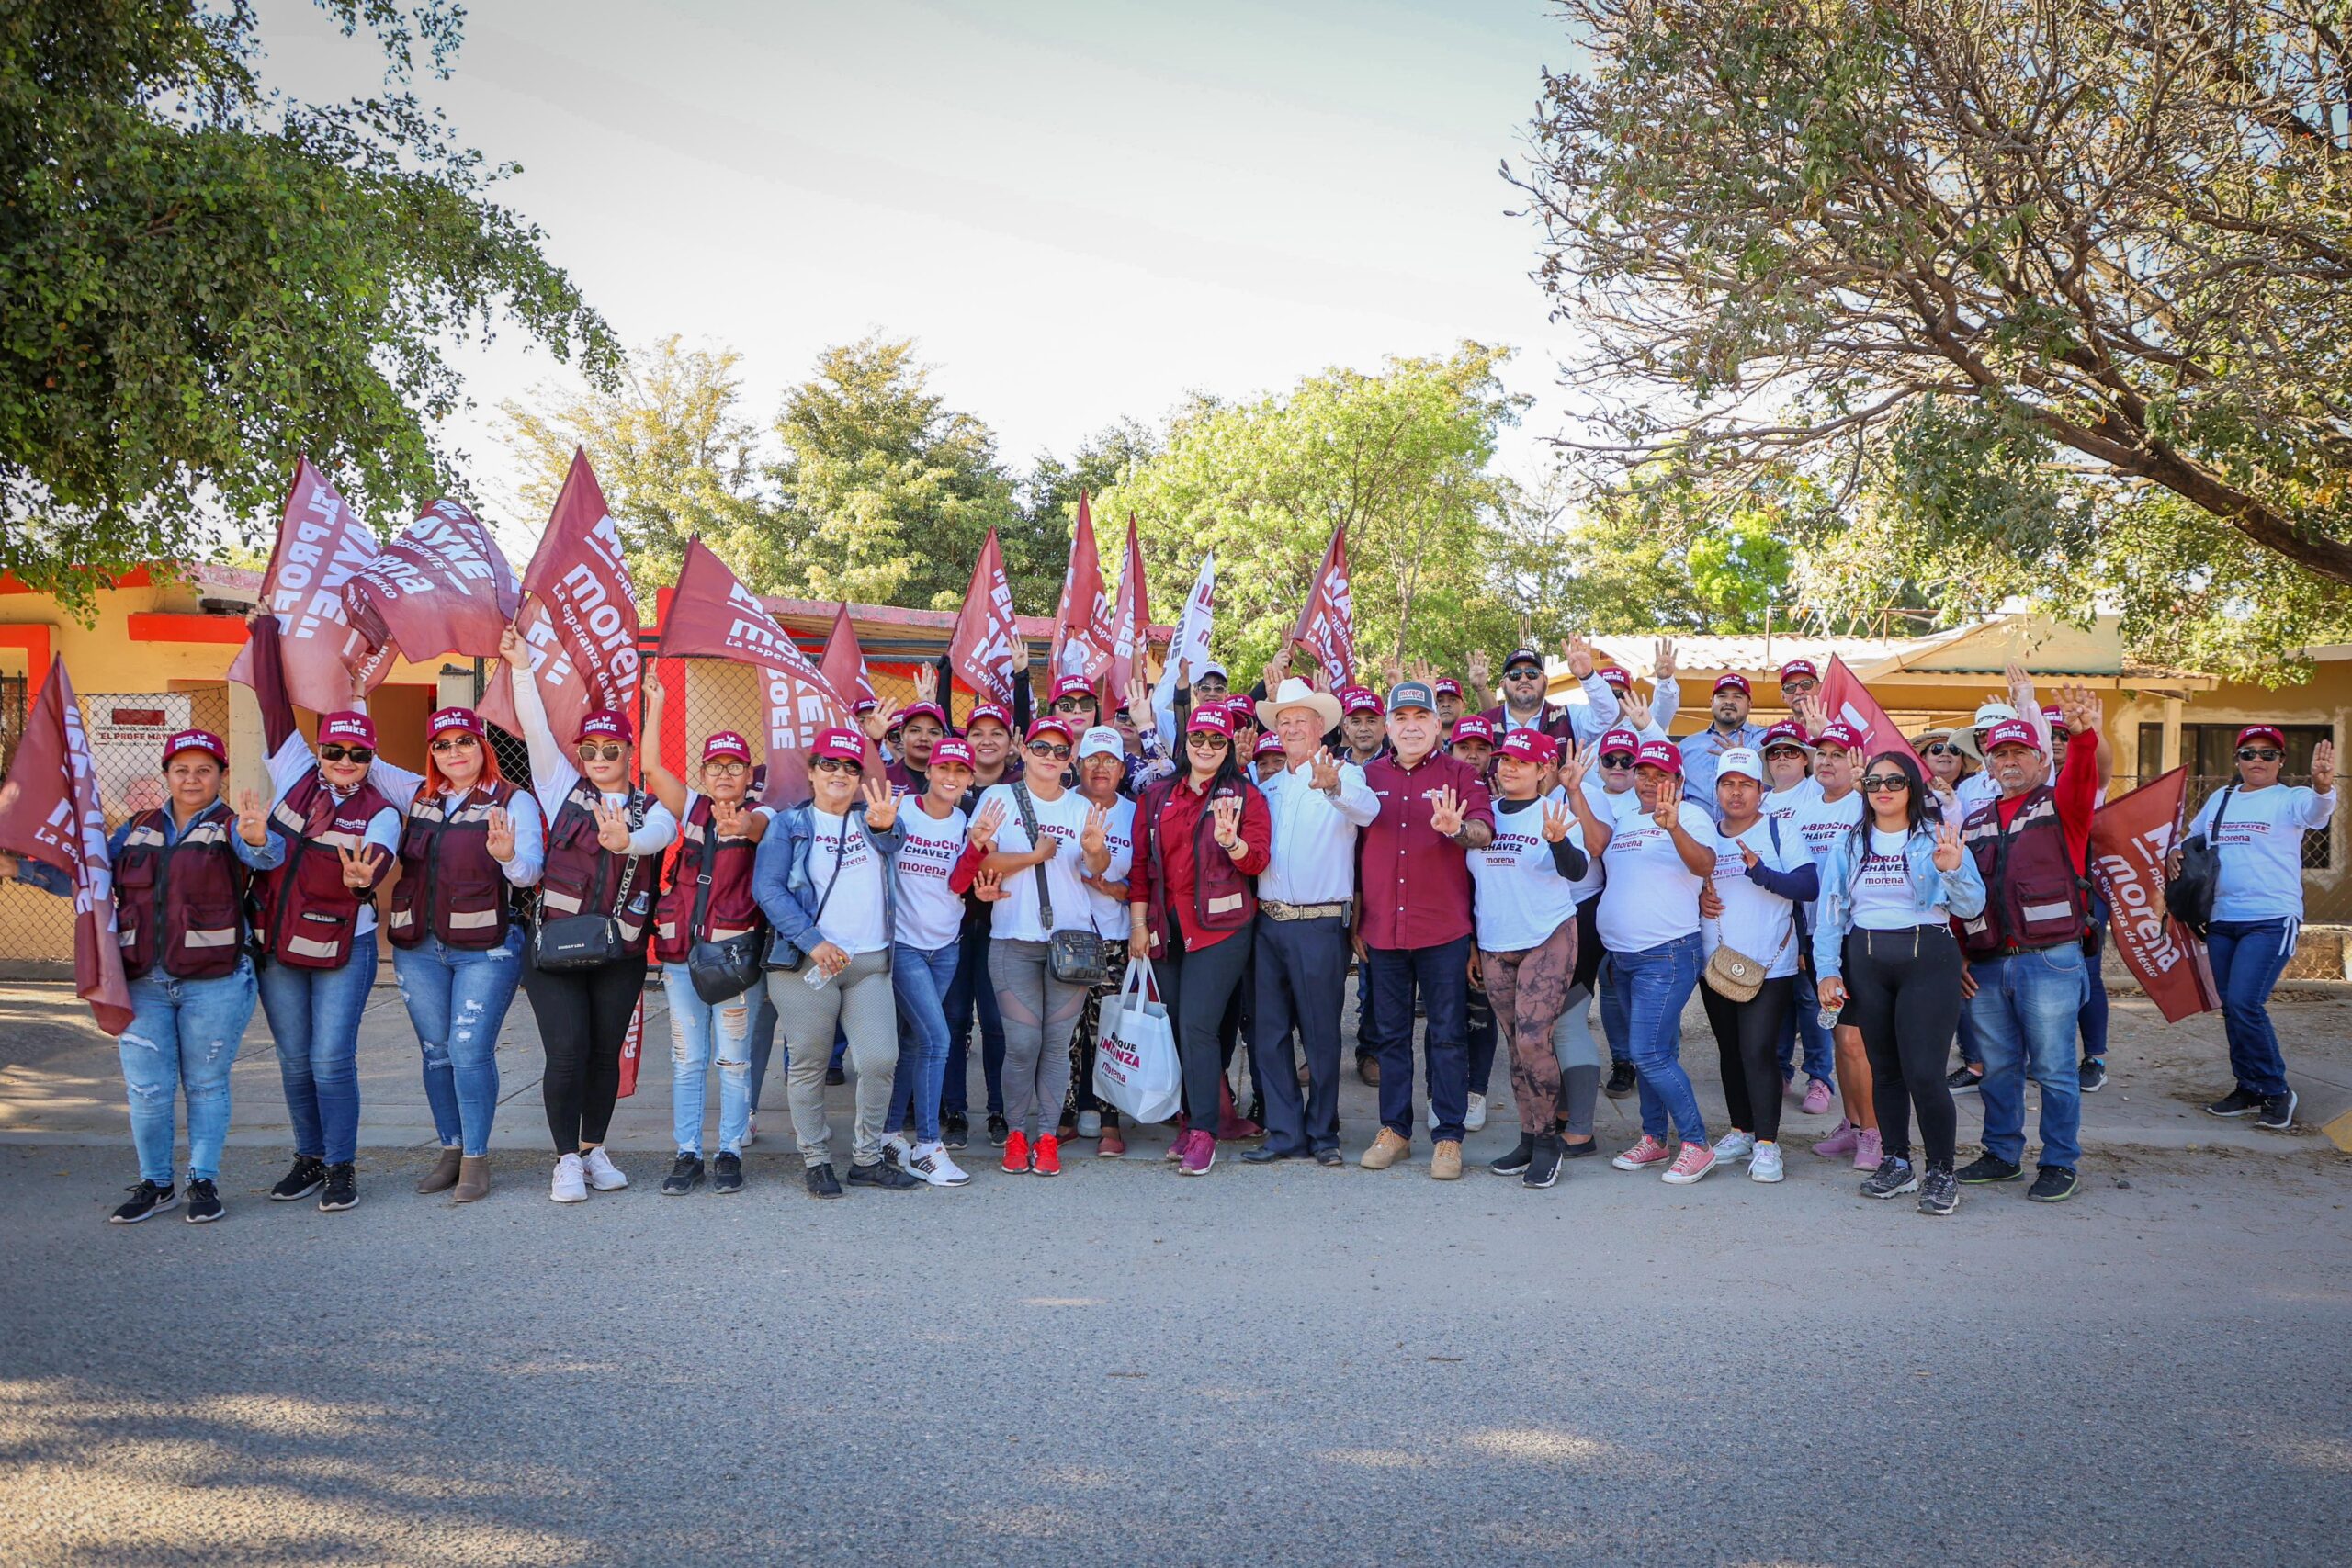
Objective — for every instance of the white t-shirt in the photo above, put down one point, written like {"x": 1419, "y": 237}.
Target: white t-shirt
{"x": 2260, "y": 849}
{"x": 1651, "y": 896}
{"x": 1819, "y": 823}
{"x": 854, "y": 919}
{"x": 1782, "y": 804}
{"x": 1604, "y": 806}
{"x": 1979, "y": 788}
{"x": 930, "y": 917}
{"x": 1015, "y": 917}
{"x": 1760, "y": 924}
{"x": 1111, "y": 914}
{"x": 1882, "y": 899}
{"x": 1521, "y": 898}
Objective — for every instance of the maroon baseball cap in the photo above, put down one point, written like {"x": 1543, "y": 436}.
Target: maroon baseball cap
{"x": 1620, "y": 740}
{"x": 2270, "y": 732}
{"x": 1788, "y": 732}
{"x": 864, "y": 706}
{"x": 1215, "y": 717}
{"x": 1471, "y": 726}
{"x": 2010, "y": 732}
{"x": 1619, "y": 678}
{"x": 841, "y": 745}
{"x": 1073, "y": 686}
{"x": 726, "y": 743}
{"x": 446, "y": 719}
{"x": 1447, "y": 686}
{"x": 348, "y": 730}
{"x": 1798, "y": 667}
{"x": 1733, "y": 683}
{"x": 1269, "y": 745}
{"x": 924, "y": 710}
{"x": 1525, "y": 746}
{"x": 1839, "y": 734}
{"x": 992, "y": 711}
{"x": 606, "y": 724}
{"x": 1047, "y": 724}
{"x": 1660, "y": 754}
{"x": 951, "y": 753}
{"x": 1359, "y": 699}
{"x": 206, "y": 741}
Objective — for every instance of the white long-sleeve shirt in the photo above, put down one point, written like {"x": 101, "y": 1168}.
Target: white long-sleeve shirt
{"x": 554, "y": 776}
{"x": 1314, "y": 843}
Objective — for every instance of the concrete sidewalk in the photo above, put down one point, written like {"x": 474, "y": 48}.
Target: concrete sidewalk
{"x": 60, "y": 1084}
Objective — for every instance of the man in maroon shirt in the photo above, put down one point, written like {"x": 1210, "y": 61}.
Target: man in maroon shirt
{"x": 1413, "y": 923}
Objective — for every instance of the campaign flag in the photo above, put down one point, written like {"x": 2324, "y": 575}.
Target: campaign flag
{"x": 1131, "y": 624}
{"x": 50, "y": 812}
{"x": 1081, "y": 643}
{"x": 579, "y": 623}
{"x": 1189, "y": 650}
{"x": 1843, "y": 697}
{"x": 320, "y": 546}
{"x": 2131, "y": 836}
{"x": 633, "y": 1048}
{"x": 442, "y": 587}
{"x": 1327, "y": 623}
{"x": 713, "y": 616}
{"x": 844, "y": 662}
{"x": 981, "y": 648}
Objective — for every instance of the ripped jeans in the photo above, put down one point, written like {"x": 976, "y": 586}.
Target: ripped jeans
{"x": 698, "y": 1032}
{"x": 183, "y": 1039}
{"x": 458, "y": 999}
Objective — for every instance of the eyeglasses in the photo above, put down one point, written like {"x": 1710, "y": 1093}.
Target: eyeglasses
{"x": 726, "y": 767}
{"x": 834, "y": 765}
{"x": 454, "y": 743}
{"x": 1206, "y": 741}
{"x": 2259, "y": 753}
{"x": 1801, "y": 686}
{"x": 1886, "y": 784}
{"x": 1796, "y": 751}
{"x": 610, "y": 751}
{"x": 1047, "y": 748}
{"x": 363, "y": 755}
{"x": 1616, "y": 758}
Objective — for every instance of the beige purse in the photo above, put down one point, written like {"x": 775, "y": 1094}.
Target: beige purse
{"x": 1735, "y": 976}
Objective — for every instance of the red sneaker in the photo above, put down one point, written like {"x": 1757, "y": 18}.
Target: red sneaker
{"x": 1016, "y": 1154}
{"x": 1113, "y": 1145}
{"x": 1049, "y": 1155}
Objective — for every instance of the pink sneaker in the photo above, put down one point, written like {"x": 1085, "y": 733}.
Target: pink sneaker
{"x": 1200, "y": 1153}
{"x": 1817, "y": 1098}
{"x": 1866, "y": 1150}
{"x": 1693, "y": 1162}
{"x": 1642, "y": 1156}
{"x": 1840, "y": 1141}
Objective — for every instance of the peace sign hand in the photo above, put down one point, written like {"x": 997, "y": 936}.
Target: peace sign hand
{"x": 1325, "y": 773}
{"x": 1227, "y": 811}
{"x": 881, "y": 805}
{"x": 612, "y": 827}
{"x": 359, "y": 866}
{"x": 499, "y": 838}
{"x": 981, "y": 835}
{"x": 1446, "y": 811}
{"x": 1556, "y": 820}
{"x": 1947, "y": 850}
{"x": 253, "y": 823}
{"x": 1747, "y": 855}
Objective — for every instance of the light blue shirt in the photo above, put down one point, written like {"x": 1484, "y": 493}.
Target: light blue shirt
{"x": 1934, "y": 894}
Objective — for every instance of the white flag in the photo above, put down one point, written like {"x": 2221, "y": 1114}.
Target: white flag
{"x": 1189, "y": 646}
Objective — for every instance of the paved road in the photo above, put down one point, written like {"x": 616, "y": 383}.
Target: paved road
{"x": 1290, "y": 1365}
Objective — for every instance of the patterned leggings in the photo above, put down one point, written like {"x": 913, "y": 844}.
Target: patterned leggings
{"x": 1529, "y": 989}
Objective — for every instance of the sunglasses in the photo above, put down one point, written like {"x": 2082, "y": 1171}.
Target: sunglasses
{"x": 834, "y": 765}
{"x": 1939, "y": 748}
{"x": 1522, "y": 672}
{"x": 1047, "y": 748}
{"x": 1616, "y": 758}
{"x": 331, "y": 752}
{"x": 1071, "y": 704}
{"x": 1801, "y": 686}
{"x": 2259, "y": 753}
{"x": 610, "y": 751}
{"x": 1207, "y": 741}
{"x": 454, "y": 743}
{"x": 1796, "y": 751}
{"x": 1886, "y": 784}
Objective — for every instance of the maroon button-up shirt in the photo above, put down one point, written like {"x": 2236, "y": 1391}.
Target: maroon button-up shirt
{"x": 1412, "y": 882}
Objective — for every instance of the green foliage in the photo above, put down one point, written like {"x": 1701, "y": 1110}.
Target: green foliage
{"x": 1665, "y": 554}
{"x": 200, "y": 278}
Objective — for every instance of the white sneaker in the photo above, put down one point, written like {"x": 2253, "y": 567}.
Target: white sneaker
{"x": 603, "y": 1174}
{"x": 1735, "y": 1145}
{"x": 929, "y": 1161}
{"x": 898, "y": 1151}
{"x": 1477, "y": 1117}
{"x": 1090, "y": 1124}
{"x": 1766, "y": 1164}
{"x": 751, "y": 1129}
{"x": 570, "y": 1182}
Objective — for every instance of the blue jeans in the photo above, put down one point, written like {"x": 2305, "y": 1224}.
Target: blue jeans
{"x": 458, "y": 999}
{"x": 969, "y": 993}
{"x": 2025, "y": 1006}
{"x": 1442, "y": 975}
{"x": 1616, "y": 1008}
{"x": 315, "y": 1017}
{"x": 1802, "y": 1023}
{"x": 1972, "y": 1040}
{"x": 2093, "y": 1021}
{"x": 918, "y": 979}
{"x": 2247, "y": 956}
{"x": 698, "y": 1032}
{"x": 182, "y": 1038}
{"x": 1658, "y": 982}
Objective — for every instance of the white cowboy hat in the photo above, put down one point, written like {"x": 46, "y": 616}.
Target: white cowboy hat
{"x": 1296, "y": 694}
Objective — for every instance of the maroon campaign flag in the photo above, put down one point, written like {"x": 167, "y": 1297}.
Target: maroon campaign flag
{"x": 50, "y": 812}
{"x": 981, "y": 648}
{"x": 1131, "y": 628}
{"x": 320, "y": 546}
{"x": 1326, "y": 624}
{"x": 2131, "y": 836}
{"x": 1846, "y": 699}
{"x": 844, "y": 662}
{"x": 1081, "y": 643}
{"x": 442, "y": 587}
{"x": 581, "y": 622}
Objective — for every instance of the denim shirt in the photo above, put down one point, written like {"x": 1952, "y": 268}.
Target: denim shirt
{"x": 780, "y": 879}
{"x": 1933, "y": 892}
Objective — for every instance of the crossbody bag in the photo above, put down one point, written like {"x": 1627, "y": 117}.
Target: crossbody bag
{"x": 1730, "y": 974}
{"x": 1074, "y": 957}
{"x": 588, "y": 941}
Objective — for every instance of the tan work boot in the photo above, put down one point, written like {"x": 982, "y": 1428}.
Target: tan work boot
{"x": 1445, "y": 1160}
{"x": 473, "y": 1179}
{"x": 1385, "y": 1151}
{"x": 443, "y": 1174}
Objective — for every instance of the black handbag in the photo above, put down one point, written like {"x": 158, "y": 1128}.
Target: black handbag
{"x": 2189, "y": 892}
{"x": 587, "y": 941}
{"x": 790, "y": 956}
{"x": 725, "y": 969}
{"x": 1073, "y": 957}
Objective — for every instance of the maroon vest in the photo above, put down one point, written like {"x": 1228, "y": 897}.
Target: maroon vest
{"x": 449, "y": 886}
{"x": 181, "y": 904}
{"x": 725, "y": 865}
{"x": 584, "y": 878}
{"x": 1223, "y": 899}
{"x": 2034, "y": 896}
{"x": 306, "y": 915}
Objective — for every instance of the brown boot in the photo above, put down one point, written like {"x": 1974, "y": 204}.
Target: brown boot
{"x": 473, "y": 1179}
{"x": 1445, "y": 1160}
{"x": 443, "y": 1174}
{"x": 1385, "y": 1151}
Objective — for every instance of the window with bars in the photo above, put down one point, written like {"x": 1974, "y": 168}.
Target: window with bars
{"x": 2209, "y": 753}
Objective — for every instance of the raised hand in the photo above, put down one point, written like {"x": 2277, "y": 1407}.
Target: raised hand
{"x": 1662, "y": 664}
{"x": 981, "y": 835}
{"x": 1575, "y": 764}
{"x": 1811, "y": 712}
{"x": 926, "y": 682}
{"x": 1481, "y": 669}
{"x": 1668, "y": 812}
{"x": 1228, "y": 812}
{"x": 652, "y": 691}
{"x": 1632, "y": 712}
{"x": 1095, "y": 837}
{"x": 988, "y": 887}
{"x": 1748, "y": 857}
{"x": 1324, "y": 771}
{"x": 1580, "y": 653}
{"x": 1446, "y": 811}
{"x": 1424, "y": 671}
{"x": 1319, "y": 677}
{"x": 2020, "y": 686}
{"x": 730, "y": 820}
{"x": 1711, "y": 903}
{"x": 1278, "y": 667}
{"x": 499, "y": 838}
{"x": 1139, "y": 704}
{"x": 253, "y": 822}
{"x": 881, "y": 804}
{"x": 612, "y": 827}
{"x": 1556, "y": 817}
{"x": 1395, "y": 668}
{"x": 359, "y": 868}
{"x": 878, "y": 722}
{"x": 1947, "y": 850}
{"x": 514, "y": 649}
{"x": 2323, "y": 766}
{"x": 2081, "y": 709}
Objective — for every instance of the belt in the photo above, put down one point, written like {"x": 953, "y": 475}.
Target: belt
{"x": 1275, "y": 910}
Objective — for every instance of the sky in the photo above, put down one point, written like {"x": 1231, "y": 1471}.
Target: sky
{"x": 1080, "y": 211}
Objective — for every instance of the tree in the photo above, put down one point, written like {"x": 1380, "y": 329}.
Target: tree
{"x": 1667, "y": 555}
{"x": 673, "y": 452}
{"x": 1401, "y": 457}
{"x": 1036, "y": 551}
{"x": 201, "y": 277}
{"x": 2066, "y": 277}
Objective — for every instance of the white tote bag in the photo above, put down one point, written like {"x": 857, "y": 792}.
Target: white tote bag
{"x": 1135, "y": 1063}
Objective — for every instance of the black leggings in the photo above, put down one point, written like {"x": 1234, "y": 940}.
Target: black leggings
{"x": 1748, "y": 1039}
{"x": 1196, "y": 986}
{"x": 1902, "y": 993}
{"x": 583, "y": 1018}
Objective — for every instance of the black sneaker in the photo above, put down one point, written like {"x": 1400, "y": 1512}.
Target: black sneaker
{"x": 727, "y": 1173}
{"x": 307, "y": 1176}
{"x": 146, "y": 1199}
{"x": 203, "y": 1202}
{"x": 1622, "y": 1079}
{"x": 822, "y": 1182}
{"x": 1544, "y": 1165}
{"x": 2278, "y": 1112}
{"x": 2239, "y": 1101}
{"x": 1939, "y": 1193}
{"x": 1893, "y": 1177}
{"x": 2093, "y": 1075}
{"x": 1330, "y": 1157}
{"x": 1517, "y": 1160}
{"x": 685, "y": 1175}
{"x": 1987, "y": 1168}
{"x": 1964, "y": 1079}
{"x": 997, "y": 1128}
{"x": 885, "y": 1175}
{"x": 955, "y": 1132}
{"x": 1585, "y": 1150}
{"x": 835, "y": 1078}
{"x": 342, "y": 1188}
{"x": 2052, "y": 1184}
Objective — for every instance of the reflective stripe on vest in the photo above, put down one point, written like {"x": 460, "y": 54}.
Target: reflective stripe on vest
{"x": 731, "y": 910}
{"x": 180, "y": 904}
{"x": 2034, "y": 896}
{"x": 582, "y": 877}
{"x": 308, "y": 916}
{"x": 449, "y": 884}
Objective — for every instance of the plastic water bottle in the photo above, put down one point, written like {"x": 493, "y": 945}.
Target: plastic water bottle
{"x": 814, "y": 977}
